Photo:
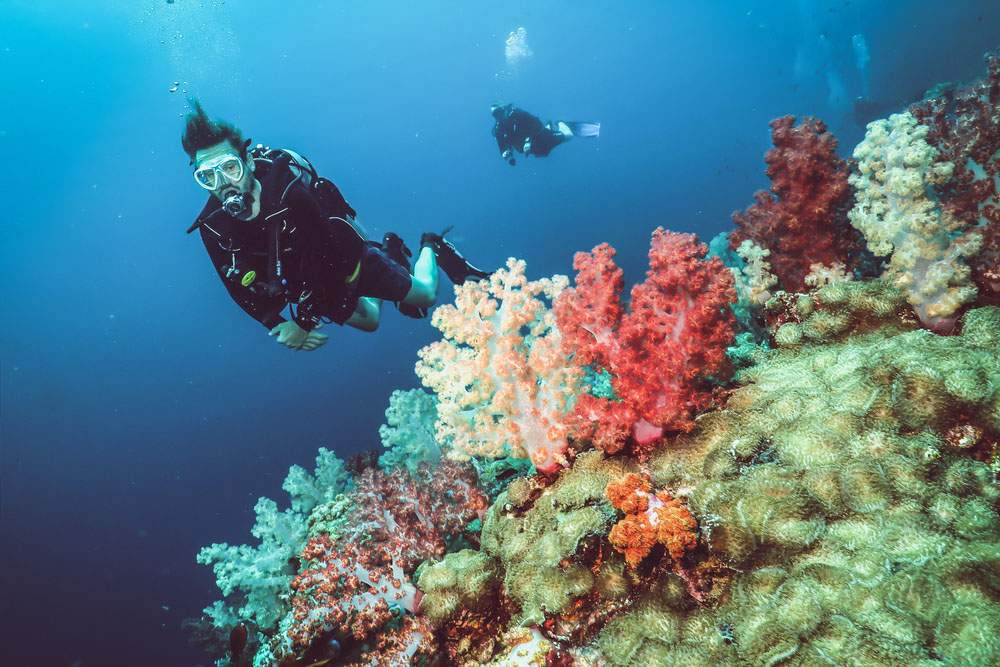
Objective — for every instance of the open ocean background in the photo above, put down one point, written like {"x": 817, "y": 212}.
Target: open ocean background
{"x": 143, "y": 413}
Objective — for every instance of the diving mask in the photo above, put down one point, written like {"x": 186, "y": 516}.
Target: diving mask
{"x": 215, "y": 173}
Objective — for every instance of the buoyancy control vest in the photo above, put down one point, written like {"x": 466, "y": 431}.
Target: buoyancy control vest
{"x": 280, "y": 171}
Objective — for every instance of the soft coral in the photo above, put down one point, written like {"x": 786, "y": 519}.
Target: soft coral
{"x": 802, "y": 220}
{"x": 662, "y": 353}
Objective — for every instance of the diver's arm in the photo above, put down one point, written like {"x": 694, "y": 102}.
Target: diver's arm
{"x": 503, "y": 141}
{"x": 265, "y": 309}
{"x": 366, "y": 314}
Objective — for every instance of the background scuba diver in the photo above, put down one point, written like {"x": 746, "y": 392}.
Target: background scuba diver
{"x": 517, "y": 130}
{"x": 279, "y": 235}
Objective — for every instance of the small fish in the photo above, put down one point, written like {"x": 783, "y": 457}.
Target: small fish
{"x": 237, "y": 641}
{"x": 173, "y": 88}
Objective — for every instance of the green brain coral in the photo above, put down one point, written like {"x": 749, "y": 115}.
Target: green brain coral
{"x": 856, "y": 533}
{"x": 464, "y": 579}
{"x": 536, "y": 538}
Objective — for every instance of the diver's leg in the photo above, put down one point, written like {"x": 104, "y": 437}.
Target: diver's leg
{"x": 548, "y": 138}
{"x": 424, "y": 283}
{"x": 366, "y": 314}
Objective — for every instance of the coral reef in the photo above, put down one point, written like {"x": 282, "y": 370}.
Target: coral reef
{"x": 662, "y": 354}
{"x": 802, "y": 219}
{"x": 613, "y": 493}
{"x": 964, "y": 126}
{"x": 824, "y": 482}
{"x": 255, "y": 579}
{"x": 538, "y": 534}
{"x": 353, "y": 584}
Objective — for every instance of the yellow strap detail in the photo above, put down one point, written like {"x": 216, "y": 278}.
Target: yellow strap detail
{"x": 354, "y": 276}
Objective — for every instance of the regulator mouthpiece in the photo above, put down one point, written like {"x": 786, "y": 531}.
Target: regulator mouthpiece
{"x": 236, "y": 203}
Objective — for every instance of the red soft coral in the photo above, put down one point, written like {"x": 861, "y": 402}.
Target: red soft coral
{"x": 802, "y": 220}
{"x": 350, "y": 582}
{"x": 986, "y": 265}
{"x": 661, "y": 354}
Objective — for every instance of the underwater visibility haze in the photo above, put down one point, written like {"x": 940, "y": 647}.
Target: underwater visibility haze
{"x": 729, "y": 393}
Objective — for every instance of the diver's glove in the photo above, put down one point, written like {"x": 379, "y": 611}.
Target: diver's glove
{"x": 294, "y": 337}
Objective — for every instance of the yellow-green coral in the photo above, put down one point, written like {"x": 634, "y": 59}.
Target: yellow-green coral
{"x": 535, "y": 539}
{"x": 465, "y": 579}
{"x": 844, "y": 524}
{"x": 857, "y": 535}
{"x": 897, "y": 213}
{"x": 840, "y": 309}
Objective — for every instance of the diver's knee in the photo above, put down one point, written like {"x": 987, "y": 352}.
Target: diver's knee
{"x": 422, "y": 294}
{"x": 420, "y": 299}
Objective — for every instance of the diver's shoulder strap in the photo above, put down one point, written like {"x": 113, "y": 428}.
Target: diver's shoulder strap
{"x": 301, "y": 168}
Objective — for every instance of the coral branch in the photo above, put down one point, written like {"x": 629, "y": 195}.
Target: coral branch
{"x": 900, "y": 215}
{"x": 502, "y": 381}
{"x": 661, "y": 353}
{"x": 350, "y": 584}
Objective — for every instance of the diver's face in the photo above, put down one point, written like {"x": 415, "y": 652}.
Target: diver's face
{"x": 220, "y": 170}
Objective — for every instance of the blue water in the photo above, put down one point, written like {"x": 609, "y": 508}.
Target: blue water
{"x": 143, "y": 413}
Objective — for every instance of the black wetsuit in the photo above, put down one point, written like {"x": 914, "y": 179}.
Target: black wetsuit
{"x": 515, "y": 125}
{"x": 326, "y": 265}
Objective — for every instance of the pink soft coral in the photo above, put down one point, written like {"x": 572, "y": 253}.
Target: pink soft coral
{"x": 502, "y": 381}
{"x": 662, "y": 353}
{"x": 802, "y": 220}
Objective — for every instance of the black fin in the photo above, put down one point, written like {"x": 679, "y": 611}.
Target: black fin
{"x": 396, "y": 249}
{"x": 450, "y": 260}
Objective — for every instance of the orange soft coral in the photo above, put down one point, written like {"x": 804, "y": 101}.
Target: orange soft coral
{"x": 649, "y": 520}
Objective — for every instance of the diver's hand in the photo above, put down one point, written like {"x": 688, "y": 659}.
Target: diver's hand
{"x": 294, "y": 337}
{"x": 313, "y": 340}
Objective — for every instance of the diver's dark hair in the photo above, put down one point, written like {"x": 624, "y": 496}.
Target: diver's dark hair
{"x": 200, "y": 132}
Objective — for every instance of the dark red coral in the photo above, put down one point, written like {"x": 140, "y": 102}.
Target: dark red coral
{"x": 802, "y": 220}
{"x": 986, "y": 265}
{"x": 964, "y": 126}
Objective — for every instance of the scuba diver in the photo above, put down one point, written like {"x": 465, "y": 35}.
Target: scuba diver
{"x": 517, "y": 130}
{"x": 279, "y": 235}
